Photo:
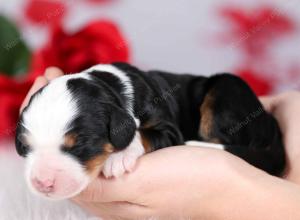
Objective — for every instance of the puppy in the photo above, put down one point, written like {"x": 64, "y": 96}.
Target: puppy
{"x": 104, "y": 118}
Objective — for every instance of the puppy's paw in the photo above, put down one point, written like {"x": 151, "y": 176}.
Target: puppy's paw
{"x": 124, "y": 161}
{"x": 119, "y": 163}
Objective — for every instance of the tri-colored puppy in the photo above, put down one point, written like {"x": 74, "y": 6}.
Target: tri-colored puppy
{"x": 106, "y": 117}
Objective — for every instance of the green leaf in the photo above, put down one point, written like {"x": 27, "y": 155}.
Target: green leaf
{"x": 14, "y": 54}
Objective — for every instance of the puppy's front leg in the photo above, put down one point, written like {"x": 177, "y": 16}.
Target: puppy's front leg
{"x": 124, "y": 161}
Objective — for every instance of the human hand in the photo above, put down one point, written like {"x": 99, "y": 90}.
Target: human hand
{"x": 173, "y": 181}
{"x": 285, "y": 108}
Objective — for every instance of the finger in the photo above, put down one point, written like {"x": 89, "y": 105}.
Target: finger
{"x": 268, "y": 102}
{"x": 52, "y": 73}
{"x": 38, "y": 84}
{"x": 129, "y": 187}
{"x": 147, "y": 177}
{"x": 110, "y": 190}
{"x": 116, "y": 210}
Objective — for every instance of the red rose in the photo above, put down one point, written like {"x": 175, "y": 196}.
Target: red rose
{"x": 98, "y": 42}
{"x": 12, "y": 94}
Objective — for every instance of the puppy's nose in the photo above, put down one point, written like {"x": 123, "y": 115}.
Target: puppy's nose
{"x": 43, "y": 186}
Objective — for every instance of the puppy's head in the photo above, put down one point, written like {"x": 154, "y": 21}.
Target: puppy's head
{"x": 66, "y": 133}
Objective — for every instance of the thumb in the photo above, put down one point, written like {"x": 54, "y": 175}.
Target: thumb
{"x": 153, "y": 174}
{"x": 153, "y": 171}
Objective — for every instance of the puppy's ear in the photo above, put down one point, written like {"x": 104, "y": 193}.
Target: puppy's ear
{"x": 122, "y": 128}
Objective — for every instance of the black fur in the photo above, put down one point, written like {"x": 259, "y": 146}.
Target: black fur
{"x": 101, "y": 120}
{"x": 175, "y": 101}
{"x": 243, "y": 126}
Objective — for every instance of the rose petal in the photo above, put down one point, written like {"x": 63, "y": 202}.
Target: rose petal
{"x": 98, "y": 42}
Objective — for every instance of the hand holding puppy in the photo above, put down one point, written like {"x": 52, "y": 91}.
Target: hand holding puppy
{"x": 169, "y": 183}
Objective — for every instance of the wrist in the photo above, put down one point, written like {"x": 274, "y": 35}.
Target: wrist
{"x": 255, "y": 193}
{"x": 233, "y": 183}
{"x": 239, "y": 191}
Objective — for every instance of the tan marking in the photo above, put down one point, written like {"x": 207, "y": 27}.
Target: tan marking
{"x": 70, "y": 140}
{"x": 146, "y": 144}
{"x": 206, "y": 121}
{"x": 108, "y": 148}
{"x": 145, "y": 141}
{"x": 94, "y": 165}
{"x": 215, "y": 141}
{"x": 149, "y": 124}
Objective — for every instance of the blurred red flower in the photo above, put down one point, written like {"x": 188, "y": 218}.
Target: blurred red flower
{"x": 258, "y": 83}
{"x": 12, "y": 94}
{"x": 45, "y": 11}
{"x": 98, "y": 42}
{"x": 255, "y": 30}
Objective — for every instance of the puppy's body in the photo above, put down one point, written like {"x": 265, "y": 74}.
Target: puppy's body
{"x": 219, "y": 109}
{"x": 115, "y": 113}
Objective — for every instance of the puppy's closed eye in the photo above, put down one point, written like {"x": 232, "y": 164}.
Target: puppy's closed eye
{"x": 22, "y": 146}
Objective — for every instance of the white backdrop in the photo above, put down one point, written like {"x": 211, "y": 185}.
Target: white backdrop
{"x": 174, "y": 35}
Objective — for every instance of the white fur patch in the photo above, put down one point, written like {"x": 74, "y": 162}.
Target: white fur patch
{"x": 46, "y": 120}
{"x": 70, "y": 177}
{"x": 205, "y": 144}
{"x": 53, "y": 109}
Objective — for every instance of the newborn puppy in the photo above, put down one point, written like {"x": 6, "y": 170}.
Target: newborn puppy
{"x": 105, "y": 118}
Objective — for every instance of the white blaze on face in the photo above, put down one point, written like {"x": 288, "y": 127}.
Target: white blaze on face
{"x": 49, "y": 171}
